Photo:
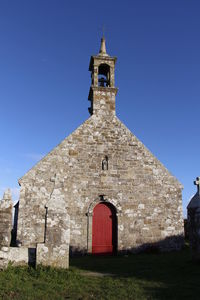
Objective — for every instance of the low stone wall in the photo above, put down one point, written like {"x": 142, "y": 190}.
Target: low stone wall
{"x": 14, "y": 255}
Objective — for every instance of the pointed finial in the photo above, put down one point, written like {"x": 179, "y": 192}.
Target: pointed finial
{"x": 7, "y": 199}
{"x": 102, "y": 51}
{"x": 7, "y": 195}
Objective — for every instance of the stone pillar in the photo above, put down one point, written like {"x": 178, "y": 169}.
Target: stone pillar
{"x": 193, "y": 215}
{"x": 6, "y": 206}
{"x": 55, "y": 249}
{"x": 89, "y": 232}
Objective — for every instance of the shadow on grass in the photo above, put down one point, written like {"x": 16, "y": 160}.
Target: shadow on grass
{"x": 166, "y": 275}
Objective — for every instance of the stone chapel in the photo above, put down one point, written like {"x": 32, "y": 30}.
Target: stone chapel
{"x": 100, "y": 191}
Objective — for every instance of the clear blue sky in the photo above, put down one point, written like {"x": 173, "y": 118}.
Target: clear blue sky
{"x": 45, "y": 47}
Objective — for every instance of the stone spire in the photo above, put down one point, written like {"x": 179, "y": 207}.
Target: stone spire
{"x": 102, "y": 51}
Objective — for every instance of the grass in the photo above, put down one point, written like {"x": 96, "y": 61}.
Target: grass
{"x": 141, "y": 276}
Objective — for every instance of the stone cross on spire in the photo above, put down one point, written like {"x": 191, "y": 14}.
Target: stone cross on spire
{"x": 197, "y": 183}
{"x": 103, "y": 31}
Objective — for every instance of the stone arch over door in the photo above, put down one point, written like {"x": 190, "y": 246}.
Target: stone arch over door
{"x": 115, "y": 207}
{"x": 104, "y": 229}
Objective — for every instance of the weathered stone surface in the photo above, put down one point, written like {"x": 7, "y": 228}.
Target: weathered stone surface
{"x": 57, "y": 256}
{"x": 5, "y": 219}
{"x": 15, "y": 256}
{"x": 145, "y": 200}
{"x": 55, "y": 249}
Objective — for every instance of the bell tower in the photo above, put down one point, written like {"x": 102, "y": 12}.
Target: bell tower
{"x": 102, "y": 90}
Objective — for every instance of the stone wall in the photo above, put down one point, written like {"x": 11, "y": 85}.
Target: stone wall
{"x": 103, "y": 106}
{"x": 146, "y": 196}
{"x": 5, "y": 219}
{"x": 54, "y": 251}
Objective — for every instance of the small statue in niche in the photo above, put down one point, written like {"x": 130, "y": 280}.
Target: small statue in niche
{"x": 105, "y": 163}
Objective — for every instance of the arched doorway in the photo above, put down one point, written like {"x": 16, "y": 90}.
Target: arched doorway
{"x": 104, "y": 229}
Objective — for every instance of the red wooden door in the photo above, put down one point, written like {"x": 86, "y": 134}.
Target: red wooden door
{"x": 103, "y": 229}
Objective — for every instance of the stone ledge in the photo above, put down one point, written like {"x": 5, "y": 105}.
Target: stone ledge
{"x": 16, "y": 256}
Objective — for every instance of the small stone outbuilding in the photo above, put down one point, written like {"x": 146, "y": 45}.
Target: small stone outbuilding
{"x": 100, "y": 190}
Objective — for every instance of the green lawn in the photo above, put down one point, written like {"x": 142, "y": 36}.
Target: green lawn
{"x": 142, "y": 276}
